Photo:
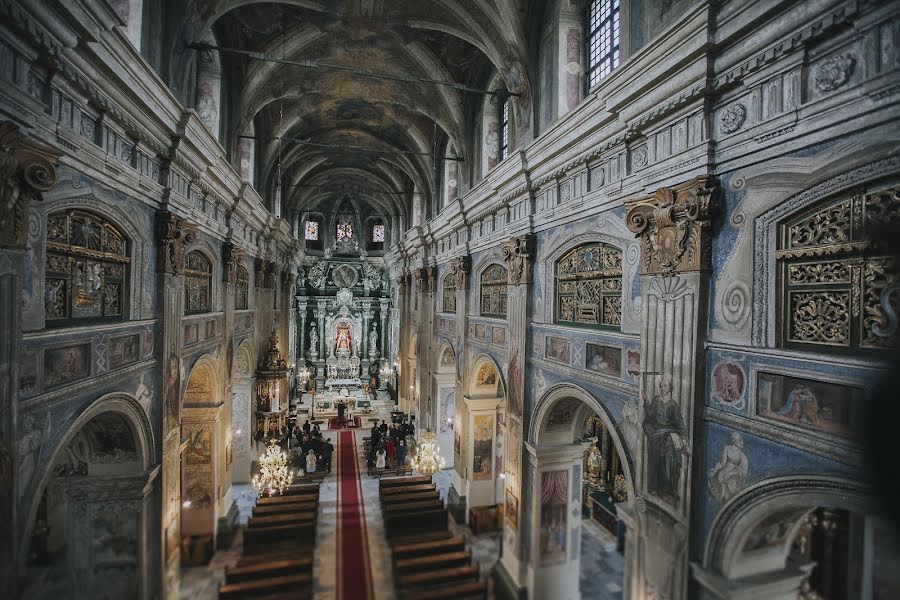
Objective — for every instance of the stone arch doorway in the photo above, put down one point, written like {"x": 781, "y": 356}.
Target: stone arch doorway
{"x": 573, "y": 505}
{"x": 88, "y": 534}
{"x": 788, "y": 534}
{"x": 443, "y": 394}
{"x": 202, "y": 464}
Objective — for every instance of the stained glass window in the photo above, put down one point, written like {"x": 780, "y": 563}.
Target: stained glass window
{"x": 312, "y": 230}
{"x": 838, "y": 289}
{"x": 242, "y": 289}
{"x": 603, "y": 39}
{"x": 87, "y": 262}
{"x": 589, "y": 286}
{"x": 344, "y": 231}
{"x": 378, "y": 233}
{"x": 449, "y": 293}
{"x": 493, "y": 291}
{"x": 197, "y": 284}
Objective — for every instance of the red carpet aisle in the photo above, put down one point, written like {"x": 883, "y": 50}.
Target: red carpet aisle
{"x": 354, "y": 576}
{"x": 333, "y": 423}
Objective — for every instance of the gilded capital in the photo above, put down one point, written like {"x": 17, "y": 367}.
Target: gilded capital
{"x": 174, "y": 234}
{"x": 460, "y": 267}
{"x": 232, "y": 256}
{"x": 674, "y": 227}
{"x": 27, "y": 169}
{"x": 518, "y": 252}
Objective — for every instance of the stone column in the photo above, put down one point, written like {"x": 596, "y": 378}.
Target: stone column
{"x": 481, "y": 422}
{"x": 383, "y": 307}
{"x": 301, "y": 335}
{"x": 289, "y": 319}
{"x": 425, "y": 289}
{"x": 173, "y": 234}
{"x": 605, "y": 446}
{"x": 674, "y": 227}
{"x": 402, "y": 351}
{"x": 518, "y": 253}
{"x": 554, "y": 528}
{"x": 456, "y": 500}
{"x": 27, "y": 169}
{"x": 364, "y": 346}
{"x": 232, "y": 256}
{"x": 320, "y": 315}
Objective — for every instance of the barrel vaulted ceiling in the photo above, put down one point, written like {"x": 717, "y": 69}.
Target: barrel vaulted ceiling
{"x": 375, "y": 136}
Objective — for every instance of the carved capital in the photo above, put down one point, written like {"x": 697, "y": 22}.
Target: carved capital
{"x": 259, "y": 272}
{"x": 232, "y": 256}
{"x": 27, "y": 169}
{"x": 174, "y": 234}
{"x": 420, "y": 276}
{"x": 674, "y": 227}
{"x": 460, "y": 267}
{"x": 518, "y": 252}
{"x": 401, "y": 280}
{"x": 270, "y": 277}
{"x": 286, "y": 278}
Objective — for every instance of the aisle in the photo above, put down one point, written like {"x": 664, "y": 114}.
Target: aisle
{"x": 354, "y": 575}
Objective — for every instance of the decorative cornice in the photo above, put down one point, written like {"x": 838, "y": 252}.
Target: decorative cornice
{"x": 674, "y": 227}
{"x": 174, "y": 234}
{"x": 27, "y": 169}
{"x": 519, "y": 253}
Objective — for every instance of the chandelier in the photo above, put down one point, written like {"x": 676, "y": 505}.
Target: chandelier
{"x": 427, "y": 459}
{"x": 274, "y": 473}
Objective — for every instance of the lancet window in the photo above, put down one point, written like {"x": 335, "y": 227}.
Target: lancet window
{"x": 839, "y": 289}
{"x": 448, "y": 289}
{"x": 197, "y": 283}
{"x": 493, "y": 291}
{"x": 86, "y": 269}
{"x": 589, "y": 286}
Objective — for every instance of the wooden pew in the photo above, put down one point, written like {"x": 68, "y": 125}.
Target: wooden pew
{"x": 388, "y": 482}
{"x": 439, "y": 577}
{"x": 426, "y": 548}
{"x": 286, "y": 586}
{"x": 395, "y": 491}
{"x": 407, "y": 566}
{"x": 411, "y": 507}
{"x": 302, "y": 489}
{"x": 402, "y": 524}
{"x": 421, "y": 495}
{"x": 282, "y": 519}
{"x": 257, "y": 539}
{"x": 420, "y": 537}
{"x": 286, "y": 507}
{"x": 271, "y": 568}
{"x": 476, "y": 590}
{"x": 304, "y": 496}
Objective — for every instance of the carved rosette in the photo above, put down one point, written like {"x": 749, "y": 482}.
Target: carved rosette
{"x": 518, "y": 252}
{"x": 460, "y": 267}
{"x": 232, "y": 256}
{"x": 174, "y": 234}
{"x": 27, "y": 169}
{"x": 674, "y": 227}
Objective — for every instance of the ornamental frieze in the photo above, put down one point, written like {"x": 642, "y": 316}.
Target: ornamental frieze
{"x": 674, "y": 227}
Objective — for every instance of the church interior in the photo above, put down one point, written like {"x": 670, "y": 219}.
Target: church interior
{"x": 449, "y": 299}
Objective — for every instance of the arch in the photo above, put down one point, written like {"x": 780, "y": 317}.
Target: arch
{"x": 486, "y": 388}
{"x": 242, "y": 367}
{"x": 206, "y": 366}
{"x": 446, "y": 358}
{"x": 562, "y": 391}
{"x": 795, "y": 496}
{"x": 121, "y": 403}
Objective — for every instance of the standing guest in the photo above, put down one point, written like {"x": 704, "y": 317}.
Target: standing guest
{"x": 340, "y": 409}
{"x": 401, "y": 452}
{"x": 327, "y": 451}
{"x": 306, "y": 427}
{"x": 383, "y": 427}
{"x": 316, "y": 430}
{"x": 391, "y": 451}
{"x": 311, "y": 461}
{"x": 379, "y": 461}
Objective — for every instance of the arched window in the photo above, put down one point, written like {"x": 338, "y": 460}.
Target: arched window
{"x": 448, "y": 293}
{"x": 312, "y": 233}
{"x": 493, "y": 291}
{"x": 86, "y": 269}
{"x": 376, "y": 236}
{"x": 197, "y": 284}
{"x": 344, "y": 230}
{"x": 241, "y": 289}
{"x": 589, "y": 286}
{"x": 833, "y": 280}
{"x": 602, "y": 40}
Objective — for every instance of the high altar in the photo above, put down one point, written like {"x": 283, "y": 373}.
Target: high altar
{"x": 342, "y": 312}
